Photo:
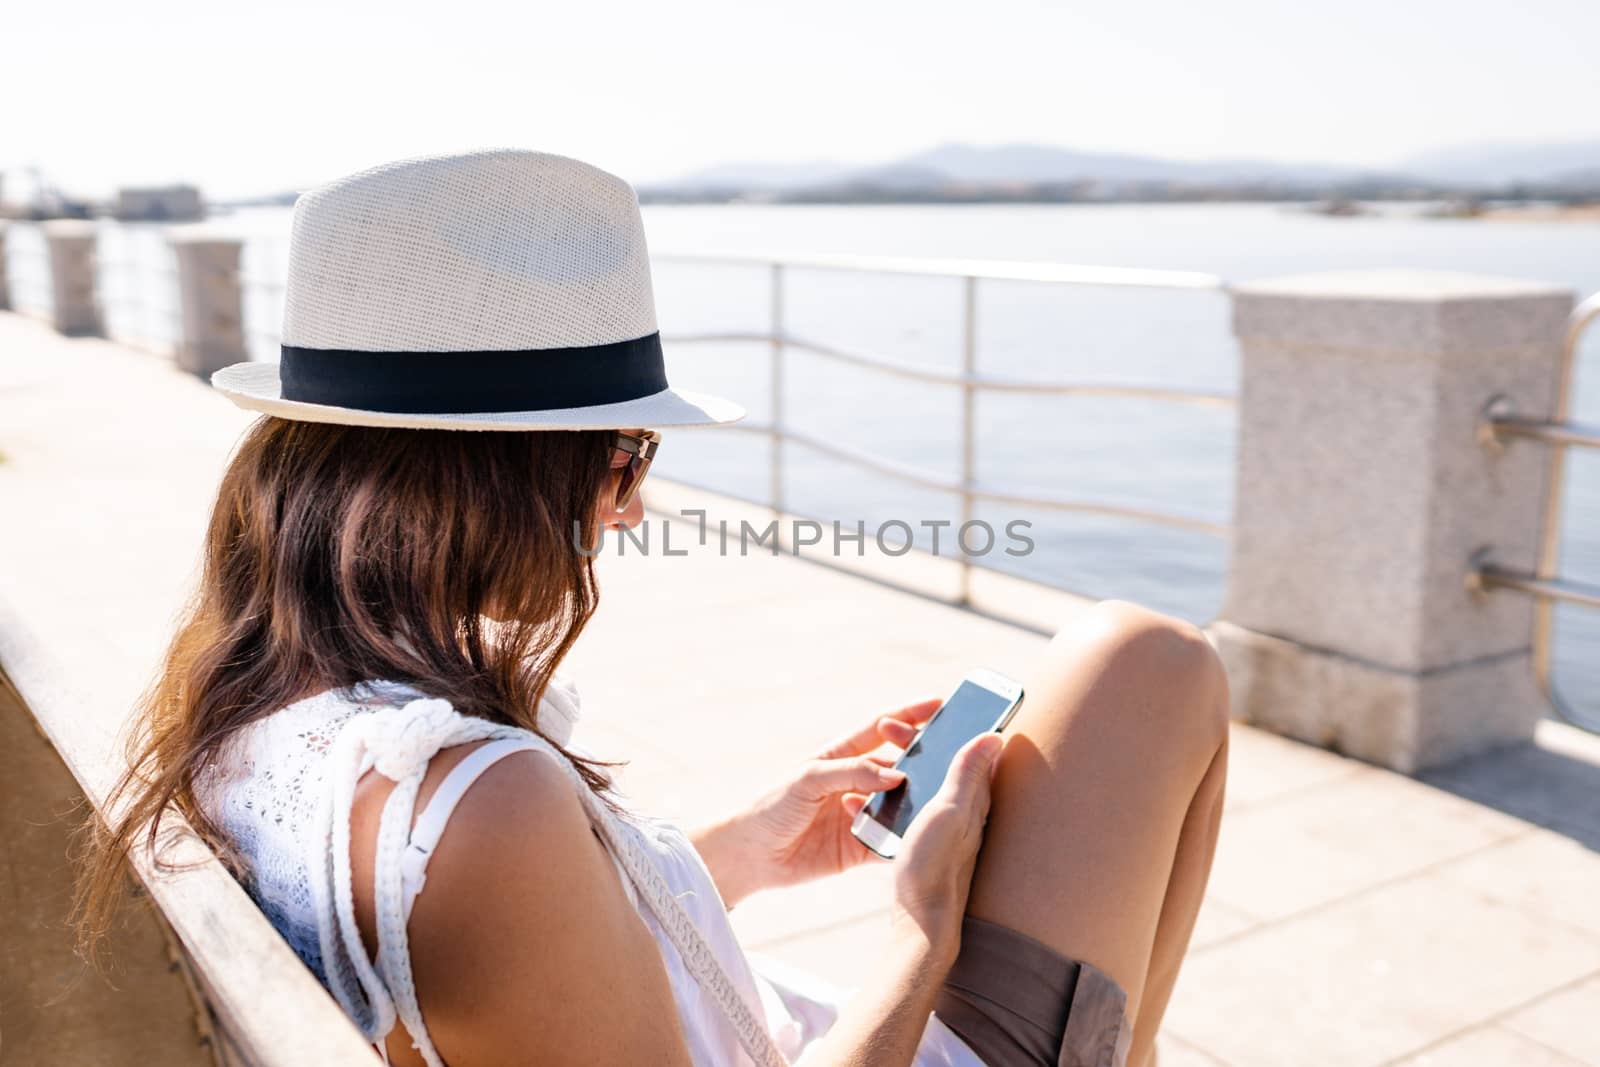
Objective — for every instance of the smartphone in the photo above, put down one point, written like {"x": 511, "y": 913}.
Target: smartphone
{"x": 985, "y": 700}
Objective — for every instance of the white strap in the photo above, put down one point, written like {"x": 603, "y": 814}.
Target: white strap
{"x": 431, "y": 823}
{"x": 394, "y": 947}
{"x": 360, "y": 991}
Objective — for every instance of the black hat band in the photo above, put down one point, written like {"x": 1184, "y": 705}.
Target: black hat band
{"x": 462, "y": 383}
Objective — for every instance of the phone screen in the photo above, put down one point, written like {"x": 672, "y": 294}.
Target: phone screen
{"x": 968, "y": 713}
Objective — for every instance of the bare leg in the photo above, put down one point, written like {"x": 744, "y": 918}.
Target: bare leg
{"x": 1185, "y": 890}
{"x": 1107, "y": 801}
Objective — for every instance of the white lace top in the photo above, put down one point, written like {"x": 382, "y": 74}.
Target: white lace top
{"x": 282, "y": 791}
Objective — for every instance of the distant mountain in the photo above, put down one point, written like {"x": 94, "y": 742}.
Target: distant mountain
{"x": 1046, "y": 163}
{"x": 1028, "y": 163}
{"x": 758, "y": 176}
{"x": 1579, "y": 179}
{"x": 957, "y": 172}
{"x": 891, "y": 176}
{"x": 1500, "y": 163}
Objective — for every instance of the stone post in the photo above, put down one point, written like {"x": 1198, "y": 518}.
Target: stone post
{"x": 75, "y": 309}
{"x": 210, "y": 298}
{"x": 1363, "y": 492}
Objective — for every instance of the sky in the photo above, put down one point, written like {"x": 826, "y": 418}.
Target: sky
{"x": 252, "y": 99}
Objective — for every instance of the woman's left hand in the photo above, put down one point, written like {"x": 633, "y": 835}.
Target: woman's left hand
{"x": 801, "y": 829}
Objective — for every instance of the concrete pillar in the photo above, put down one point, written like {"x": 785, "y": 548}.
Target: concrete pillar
{"x": 75, "y": 307}
{"x": 1364, "y": 490}
{"x": 210, "y": 299}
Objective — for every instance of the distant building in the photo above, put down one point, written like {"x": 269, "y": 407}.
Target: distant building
{"x": 177, "y": 203}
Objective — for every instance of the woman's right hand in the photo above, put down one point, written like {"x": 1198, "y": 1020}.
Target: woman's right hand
{"x": 933, "y": 870}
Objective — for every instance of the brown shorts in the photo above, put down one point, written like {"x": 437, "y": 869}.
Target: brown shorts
{"x": 1019, "y": 1003}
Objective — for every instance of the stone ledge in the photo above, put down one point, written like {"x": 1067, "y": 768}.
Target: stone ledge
{"x": 1405, "y": 721}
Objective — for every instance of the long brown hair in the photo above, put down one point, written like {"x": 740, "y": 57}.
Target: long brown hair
{"x": 340, "y": 554}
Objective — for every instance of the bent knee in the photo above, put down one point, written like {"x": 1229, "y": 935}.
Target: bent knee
{"x": 1166, "y": 663}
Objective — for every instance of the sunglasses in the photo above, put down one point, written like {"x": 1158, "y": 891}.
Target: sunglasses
{"x": 632, "y": 455}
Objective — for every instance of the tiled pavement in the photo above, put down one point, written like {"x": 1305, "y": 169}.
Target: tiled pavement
{"x": 1355, "y": 917}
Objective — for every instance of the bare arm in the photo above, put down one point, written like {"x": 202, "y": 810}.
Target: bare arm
{"x": 884, "y": 1022}
{"x": 720, "y": 850}
{"x": 800, "y": 829}
{"x": 524, "y": 946}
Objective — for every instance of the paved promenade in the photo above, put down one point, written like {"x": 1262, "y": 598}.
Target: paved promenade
{"x": 1355, "y": 918}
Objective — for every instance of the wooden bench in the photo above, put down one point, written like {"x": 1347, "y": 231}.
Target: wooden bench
{"x": 225, "y": 988}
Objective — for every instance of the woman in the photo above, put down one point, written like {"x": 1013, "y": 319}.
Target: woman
{"x": 362, "y": 712}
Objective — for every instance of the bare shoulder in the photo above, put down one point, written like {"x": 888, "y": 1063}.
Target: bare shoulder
{"x": 524, "y": 945}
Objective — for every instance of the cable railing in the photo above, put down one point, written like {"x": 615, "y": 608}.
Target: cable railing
{"x": 966, "y": 486}
{"x": 1544, "y": 583}
{"x": 137, "y": 282}
{"x": 262, "y": 302}
{"x": 27, "y": 269}
{"x": 263, "y": 271}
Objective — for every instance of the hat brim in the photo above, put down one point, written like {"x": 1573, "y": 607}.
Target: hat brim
{"x": 255, "y": 386}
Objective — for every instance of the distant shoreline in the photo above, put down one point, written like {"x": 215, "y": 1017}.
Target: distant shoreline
{"x": 1567, "y": 213}
{"x": 1440, "y": 211}
{"x": 1447, "y": 208}
{"x": 1467, "y": 210}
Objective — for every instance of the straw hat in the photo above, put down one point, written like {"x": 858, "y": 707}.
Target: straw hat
{"x": 500, "y": 289}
